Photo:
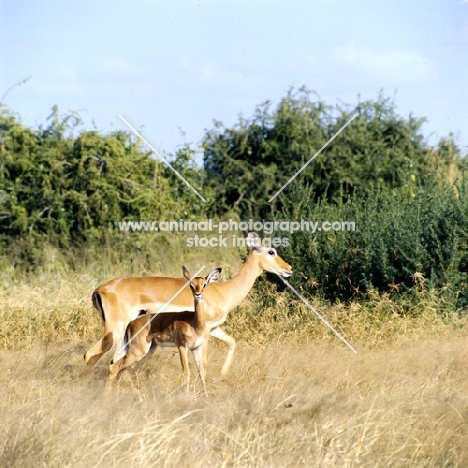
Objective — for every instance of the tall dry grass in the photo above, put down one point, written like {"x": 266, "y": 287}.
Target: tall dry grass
{"x": 296, "y": 396}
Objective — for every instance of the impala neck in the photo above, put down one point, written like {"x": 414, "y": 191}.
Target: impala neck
{"x": 242, "y": 283}
{"x": 199, "y": 324}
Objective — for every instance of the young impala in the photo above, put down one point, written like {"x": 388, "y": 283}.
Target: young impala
{"x": 121, "y": 300}
{"x": 185, "y": 330}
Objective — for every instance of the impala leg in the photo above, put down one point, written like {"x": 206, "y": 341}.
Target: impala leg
{"x": 198, "y": 357}
{"x": 119, "y": 334}
{"x": 231, "y": 342}
{"x": 185, "y": 366}
{"x": 101, "y": 347}
{"x": 205, "y": 353}
{"x": 152, "y": 349}
{"x": 137, "y": 350}
{"x": 113, "y": 334}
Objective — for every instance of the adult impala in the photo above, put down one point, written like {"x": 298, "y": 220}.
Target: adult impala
{"x": 121, "y": 300}
{"x": 184, "y": 330}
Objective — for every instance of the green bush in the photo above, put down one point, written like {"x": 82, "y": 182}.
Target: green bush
{"x": 68, "y": 188}
{"x": 63, "y": 188}
{"x": 411, "y": 236}
{"x": 248, "y": 163}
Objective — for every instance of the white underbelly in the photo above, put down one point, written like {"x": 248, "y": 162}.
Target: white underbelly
{"x": 170, "y": 344}
{"x": 198, "y": 342}
{"x": 214, "y": 325}
{"x": 165, "y": 344}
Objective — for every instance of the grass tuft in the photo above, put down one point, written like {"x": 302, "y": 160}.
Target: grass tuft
{"x": 296, "y": 396}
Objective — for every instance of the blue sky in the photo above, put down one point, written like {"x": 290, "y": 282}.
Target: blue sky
{"x": 173, "y": 66}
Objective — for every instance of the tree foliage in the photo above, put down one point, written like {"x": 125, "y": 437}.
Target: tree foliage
{"x": 67, "y": 189}
{"x": 248, "y": 163}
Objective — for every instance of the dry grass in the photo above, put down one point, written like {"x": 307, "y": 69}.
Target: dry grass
{"x": 295, "y": 396}
{"x": 285, "y": 404}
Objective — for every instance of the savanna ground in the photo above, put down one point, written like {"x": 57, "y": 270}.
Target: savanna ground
{"x": 295, "y": 396}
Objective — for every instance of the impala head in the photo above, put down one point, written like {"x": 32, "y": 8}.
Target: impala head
{"x": 198, "y": 284}
{"x": 267, "y": 257}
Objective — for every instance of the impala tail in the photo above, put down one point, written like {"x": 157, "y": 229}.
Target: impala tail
{"x": 124, "y": 343}
{"x": 97, "y": 303}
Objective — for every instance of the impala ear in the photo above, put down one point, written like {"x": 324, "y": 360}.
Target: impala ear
{"x": 186, "y": 274}
{"x": 213, "y": 276}
{"x": 252, "y": 240}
